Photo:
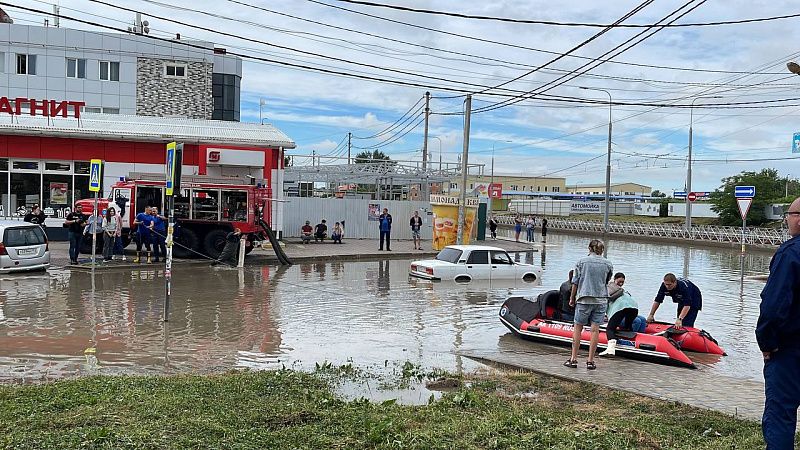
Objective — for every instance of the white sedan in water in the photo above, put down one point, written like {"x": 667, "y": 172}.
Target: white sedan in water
{"x": 463, "y": 263}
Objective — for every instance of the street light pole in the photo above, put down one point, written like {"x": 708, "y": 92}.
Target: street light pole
{"x": 689, "y": 166}
{"x": 608, "y": 164}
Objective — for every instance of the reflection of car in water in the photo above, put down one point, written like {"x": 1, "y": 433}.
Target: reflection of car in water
{"x": 464, "y": 263}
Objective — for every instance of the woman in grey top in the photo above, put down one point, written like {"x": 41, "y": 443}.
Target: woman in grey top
{"x": 590, "y": 298}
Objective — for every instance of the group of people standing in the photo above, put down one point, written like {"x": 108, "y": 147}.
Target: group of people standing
{"x": 529, "y": 225}
{"x": 593, "y": 293}
{"x": 150, "y": 234}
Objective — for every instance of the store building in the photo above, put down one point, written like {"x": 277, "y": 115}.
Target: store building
{"x": 116, "y": 73}
{"x": 45, "y": 160}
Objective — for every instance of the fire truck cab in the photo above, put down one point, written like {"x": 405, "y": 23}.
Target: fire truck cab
{"x": 206, "y": 210}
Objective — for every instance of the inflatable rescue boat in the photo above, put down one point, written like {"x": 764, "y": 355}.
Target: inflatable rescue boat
{"x": 523, "y": 316}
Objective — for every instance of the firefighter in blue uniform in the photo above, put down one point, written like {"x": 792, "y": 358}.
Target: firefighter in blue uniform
{"x": 685, "y": 294}
{"x": 778, "y": 336}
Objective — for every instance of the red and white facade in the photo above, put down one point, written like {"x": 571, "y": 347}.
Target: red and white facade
{"x": 45, "y": 160}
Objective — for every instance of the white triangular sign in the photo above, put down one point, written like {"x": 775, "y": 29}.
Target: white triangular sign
{"x": 744, "y": 206}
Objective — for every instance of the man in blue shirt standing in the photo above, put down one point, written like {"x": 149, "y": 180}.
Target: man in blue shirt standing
{"x": 685, "y": 294}
{"x": 144, "y": 224}
{"x": 778, "y": 336}
{"x": 385, "y": 224}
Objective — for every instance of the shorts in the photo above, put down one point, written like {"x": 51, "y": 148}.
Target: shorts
{"x": 589, "y": 313}
{"x": 415, "y": 234}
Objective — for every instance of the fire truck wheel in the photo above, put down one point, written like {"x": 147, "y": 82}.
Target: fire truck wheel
{"x": 186, "y": 240}
{"x": 214, "y": 243}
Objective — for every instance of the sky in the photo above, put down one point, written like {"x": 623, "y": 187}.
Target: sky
{"x": 742, "y": 67}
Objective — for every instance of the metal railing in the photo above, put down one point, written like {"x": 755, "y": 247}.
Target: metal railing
{"x": 752, "y": 235}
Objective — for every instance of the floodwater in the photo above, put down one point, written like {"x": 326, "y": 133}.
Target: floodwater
{"x": 369, "y": 314}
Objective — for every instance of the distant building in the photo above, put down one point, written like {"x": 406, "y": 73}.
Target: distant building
{"x": 480, "y": 184}
{"x": 616, "y": 189}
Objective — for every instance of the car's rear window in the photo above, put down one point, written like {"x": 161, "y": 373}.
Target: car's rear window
{"x": 22, "y": 236}
{"x": 449, "y": 254}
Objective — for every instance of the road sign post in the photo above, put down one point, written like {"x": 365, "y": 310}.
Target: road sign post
{"x": 172, "y": 171}
{"x": 744, "y": 199}
{"x": 95, "y": 177}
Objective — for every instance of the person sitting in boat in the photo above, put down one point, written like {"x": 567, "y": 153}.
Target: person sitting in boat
{"x": 565, "y": 310}
{"x": 685, "y": 294}
{"x": 622, "y": 312}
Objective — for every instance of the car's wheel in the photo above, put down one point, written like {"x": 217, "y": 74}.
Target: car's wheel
{"x": 186, "y": 244}
{"x": 463, "y": 279}
{"x": 529, "y": 277}
{"x": 214, "y": 243}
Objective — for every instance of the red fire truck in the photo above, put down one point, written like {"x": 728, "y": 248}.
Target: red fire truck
{"x": 206, "y": 210}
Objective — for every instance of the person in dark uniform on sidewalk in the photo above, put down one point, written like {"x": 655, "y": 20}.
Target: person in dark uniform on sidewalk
{"x": 778, "y": 336}
{"x": 685, "y": 294}
{"x": 385, "y": 225}
{"x": 229, "y": 253}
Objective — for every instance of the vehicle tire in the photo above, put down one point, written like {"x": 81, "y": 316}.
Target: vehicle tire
{"x": 214, "y": 243}
{"x": 529, "y": 278}
{"x": 86, "y": 245}
{"x": 184, "y": 243}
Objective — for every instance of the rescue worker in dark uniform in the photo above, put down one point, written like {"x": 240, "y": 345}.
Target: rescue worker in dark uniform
{"x": 685, "y": 294}
{"x": 778, "y": 336}
{"x": 229, "y": 252}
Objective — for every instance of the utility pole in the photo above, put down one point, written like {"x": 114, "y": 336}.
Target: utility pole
{"x": 463, "y": 202}
{"x": 425, "y": 186}
{"x": 349, "y": 146}
{"x": 491, "y": 182}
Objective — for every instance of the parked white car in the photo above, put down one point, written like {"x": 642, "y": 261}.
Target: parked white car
{"x": 23, "y": 247}
{"x": 463, "y": 263}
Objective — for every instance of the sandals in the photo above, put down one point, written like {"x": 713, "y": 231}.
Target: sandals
{"x": 572, "y": 363}
{"x": 590, "y": 365}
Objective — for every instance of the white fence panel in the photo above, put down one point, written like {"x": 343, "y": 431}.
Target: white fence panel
{"x": 354, "y": 212}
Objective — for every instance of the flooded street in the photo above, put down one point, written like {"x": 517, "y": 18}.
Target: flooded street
{"x": 367, "y": 313}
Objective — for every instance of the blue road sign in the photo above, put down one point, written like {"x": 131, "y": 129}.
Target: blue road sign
{"x": 94, "y": 175}
{"x": 744, "y": 191}
{"x": 170, "y": 168}
{"x": 796, "y": 143}
{"x": 679, "y": 194}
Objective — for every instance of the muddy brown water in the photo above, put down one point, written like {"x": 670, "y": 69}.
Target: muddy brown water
{"x": 367, "y": 313}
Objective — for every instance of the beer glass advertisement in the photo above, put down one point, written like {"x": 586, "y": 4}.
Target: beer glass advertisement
{"x": 58, "y": 193}
{"x": 445, "y": 220}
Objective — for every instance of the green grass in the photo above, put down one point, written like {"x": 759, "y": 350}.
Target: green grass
{"x": 287, "y": 409}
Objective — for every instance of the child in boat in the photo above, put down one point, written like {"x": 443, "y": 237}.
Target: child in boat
{"x": 622, "y": 312}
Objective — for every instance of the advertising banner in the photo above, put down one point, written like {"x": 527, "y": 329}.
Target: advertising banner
{"x": 58, "y": 193}
{"x": 445, "y": 220}
{"x": 374, "y": 211}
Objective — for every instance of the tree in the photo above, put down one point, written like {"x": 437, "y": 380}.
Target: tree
{"x": 367, "y": 156}
{"x": 769, "y": 189}
{"x": 657, "y": 193}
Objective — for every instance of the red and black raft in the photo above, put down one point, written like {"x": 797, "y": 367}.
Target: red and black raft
{"x": 687, "y": 338}
{"x": 524, "y": 318}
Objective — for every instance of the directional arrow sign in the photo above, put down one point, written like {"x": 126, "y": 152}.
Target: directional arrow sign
{"x": 744, "y": 206}
{"x": 94, "y": 175}
{"x": 745, "y": 191}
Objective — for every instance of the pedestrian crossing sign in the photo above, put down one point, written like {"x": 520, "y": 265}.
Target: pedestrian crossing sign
{"x": 170, "y": 166}
{"x": 94, "y": 175}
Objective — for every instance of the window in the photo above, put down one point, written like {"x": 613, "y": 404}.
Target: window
{"x": 478, "y": 257}
{"x": 109, "y": 71}
{"x": 2, "y": 62}
{"x": 205, "y": 205}
{"x": 501, "y": 258}
{"x": 110, "y": 110}
{"x": 450, "y": 255}
{"x": 556, "y": 189}
{"x": 26, "y": 64}
{"x": 175, "y": 70}
{"x": 234, "y": 205}
{"x": 76, "y": 68}
{"x": 22, "y": 236}
{"x": 92, "y": 109}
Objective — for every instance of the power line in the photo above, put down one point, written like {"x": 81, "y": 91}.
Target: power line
{"x": 562, "y": 24}
{"x": 522, "y": 47}
{"x": 395, "y": 124}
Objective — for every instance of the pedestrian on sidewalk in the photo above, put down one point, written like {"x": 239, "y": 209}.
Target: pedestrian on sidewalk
{"x": 337, "y": 233}
{"x": 493, "y": 227}
{"x": 590, "y": 297}
{"x": 777, "y": 332}
{"x": 385, "y": 226}
{"x": 110, "y": 226}
{"x": 529, "y": 227}
{"x": 544, "y": 231}
{"x": 517, "y": 226}
{"x": 159, "y": 236}
{"x": 75, "y": 223}
{"x": 416, "y": 226}
{"x": 36, "y": 215}
{"x": 144, "y": 225}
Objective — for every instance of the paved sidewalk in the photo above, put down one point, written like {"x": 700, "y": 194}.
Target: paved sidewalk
{"x": 700, "y": 387}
